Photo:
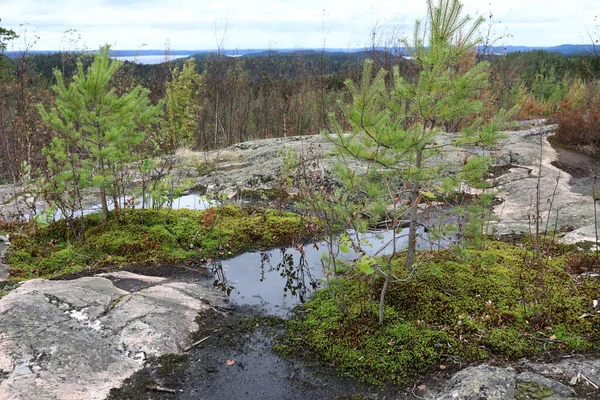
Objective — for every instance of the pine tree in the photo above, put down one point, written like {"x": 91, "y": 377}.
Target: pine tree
{"x": 397, "y": 126}
{"x": 97, "y": 130}
{"x": 6, "y": 35}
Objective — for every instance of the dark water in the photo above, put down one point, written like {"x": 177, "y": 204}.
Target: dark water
{"x": 279, "y": 279}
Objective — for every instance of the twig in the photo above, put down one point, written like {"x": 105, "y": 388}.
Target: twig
{"x": 588, "y": 381}
{"x": 157, "y": 388}
{"x": 196, "y": 344}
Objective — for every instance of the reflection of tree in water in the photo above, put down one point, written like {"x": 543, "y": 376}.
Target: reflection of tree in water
{"x": 298, "y": 280}
{"x": 220, "y": 281}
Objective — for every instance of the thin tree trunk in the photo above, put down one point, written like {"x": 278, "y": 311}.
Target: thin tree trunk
{"x": 413, "y": 215}
{"x": 100, "y": 167}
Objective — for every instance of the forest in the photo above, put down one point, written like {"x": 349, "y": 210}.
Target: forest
{"x": 282, "y": 94}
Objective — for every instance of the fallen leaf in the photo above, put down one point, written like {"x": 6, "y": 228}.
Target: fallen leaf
{"x": 553, "y": 337}
{"x": 421, "y": 389}
{"x": 443, "y": 366}
{"x": 230, "y": 362}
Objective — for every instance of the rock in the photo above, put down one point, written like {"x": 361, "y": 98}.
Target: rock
{"x": 480, "y": 382}
{"x": 534, "y": 386}
{"x": 521, "y": 150}
{"x": 588, "y": 370}
{"x": 496, "y": 383}
{"x": 78, "y": 339}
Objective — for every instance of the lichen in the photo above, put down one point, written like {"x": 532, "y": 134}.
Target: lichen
{"x": 533, "y": 391}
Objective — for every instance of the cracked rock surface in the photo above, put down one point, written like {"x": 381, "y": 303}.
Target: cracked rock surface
{"x": 497, "y": 383}
{"x": 78, "y": 339}
{"x": 532, "y": 161}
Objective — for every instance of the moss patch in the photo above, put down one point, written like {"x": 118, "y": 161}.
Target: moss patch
{"x": 148, "y": 236}
{"x": 532, "y": 390}
{"x": 6, "y": 288}
{"x": 461, "y": 306}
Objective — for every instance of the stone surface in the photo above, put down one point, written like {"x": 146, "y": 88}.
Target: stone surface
{"x": 532, "y": 164}
{"x": 526, "y": 155}
{"x": 480, "y": 382}
{"x": 78, "y": 339}
{"x": 578, "y": 370}
{"x": 532, "y": 385}
{"x": 504, "y": 383}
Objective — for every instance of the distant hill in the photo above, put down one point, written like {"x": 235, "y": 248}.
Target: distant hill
{"x": 565, "y": 49}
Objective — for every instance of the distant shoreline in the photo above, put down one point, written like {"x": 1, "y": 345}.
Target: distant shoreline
{"x": 565, "y": 49}
{"x": 151, "y": 59}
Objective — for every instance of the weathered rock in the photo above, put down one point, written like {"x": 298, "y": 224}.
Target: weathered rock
{"x": 78, "y": 339}
{"x": 3, "y": 271}
{"x": 480, "y": 382}
{"x": 532, "y": 160}
{"x": 578, "y": 370}
{"x": 496, "y": 383}
{"x": 534, "y": 386}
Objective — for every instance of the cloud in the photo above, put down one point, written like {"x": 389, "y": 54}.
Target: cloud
{"x": 191, "y": 24}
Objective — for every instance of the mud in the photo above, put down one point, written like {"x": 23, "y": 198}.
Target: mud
{"x": 257, "y": 372}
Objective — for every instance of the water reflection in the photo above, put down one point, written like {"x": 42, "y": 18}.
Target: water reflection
{"x": 281, "y": 278}
{"x": 188, "y": 201}
{"x": 297, "y": 275}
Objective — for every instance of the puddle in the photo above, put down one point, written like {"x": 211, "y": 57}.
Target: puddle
{"x": 189, "y": 201}
{"x": 279, "y": 279}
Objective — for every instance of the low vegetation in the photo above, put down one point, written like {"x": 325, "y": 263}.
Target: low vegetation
{"x": 149, "y": 236}
{"x": 461, "y": 306}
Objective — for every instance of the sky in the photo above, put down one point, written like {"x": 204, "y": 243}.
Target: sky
{"x": 270, "y": 24}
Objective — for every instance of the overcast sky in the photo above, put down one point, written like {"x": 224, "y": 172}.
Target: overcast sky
{"x": 244, "y": 24}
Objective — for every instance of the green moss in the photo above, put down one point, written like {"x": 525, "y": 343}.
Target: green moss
{"x": 461, "y": 306}
{"x": 148, "y": 235}
{"x": 532, "y": 391}
{"x": 203, "y": 168}
{"x": 510, "y": 342}
{"x": 261, "y": 194}
{"x": 116, "y": 301}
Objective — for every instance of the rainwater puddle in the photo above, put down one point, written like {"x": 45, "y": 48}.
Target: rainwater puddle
{"x": 279, "y": 279}
{"x": 189, "y": 201}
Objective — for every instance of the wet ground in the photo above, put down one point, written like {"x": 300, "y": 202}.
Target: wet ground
{"x": 581, "y": 167}
{"x": 237, "y": 361}
{"x": 263, "y": 288}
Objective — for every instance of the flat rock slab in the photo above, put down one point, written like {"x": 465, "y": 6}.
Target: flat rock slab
{"x": 496, "y": 383}
{"x": 534, "y": 177}
{"x": 78, "y": 339}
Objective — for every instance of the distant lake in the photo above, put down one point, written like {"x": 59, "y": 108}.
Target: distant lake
{"x": 149, "y": 59}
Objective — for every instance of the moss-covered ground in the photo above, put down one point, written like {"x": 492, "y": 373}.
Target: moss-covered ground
{"x": 144, "y": 236}
{"x": 461, "y": 306}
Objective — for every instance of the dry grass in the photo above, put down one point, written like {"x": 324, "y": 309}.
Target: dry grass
{"x": 579, "y": 127}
